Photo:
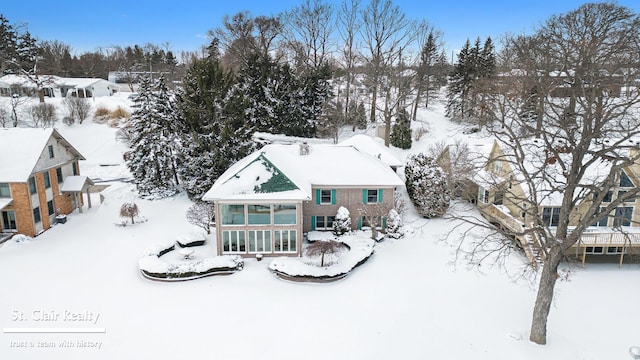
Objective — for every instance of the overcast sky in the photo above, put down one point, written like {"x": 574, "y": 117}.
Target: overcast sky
{"x": 87, "y": 25}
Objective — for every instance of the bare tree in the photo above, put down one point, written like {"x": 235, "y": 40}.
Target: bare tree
{"x": 585, "y": 132}
{"x": 349, "y": 22}
{"x": 201, "y": 214}
{"x": 322, "y": 248}
{"x": 386, "y": 32}
{"x": 16, "y": 103}
{"x": 311, "y": 25}
{"x": 372, "y": 215}
{"x": 130, "y": 210}
{"x": 5, "y": 117}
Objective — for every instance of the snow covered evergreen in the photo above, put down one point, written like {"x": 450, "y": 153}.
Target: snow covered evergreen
{"x": 395, "y": 225}
{"x": 401, "y": 131}
{"x": 427, "y": 186}
{"x": 342, "y": 222}
{"x": 152, "y": 159}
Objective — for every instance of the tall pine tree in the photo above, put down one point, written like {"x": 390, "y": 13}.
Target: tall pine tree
{"x": 152, "y": 159}
{"x": 401, "y": 132}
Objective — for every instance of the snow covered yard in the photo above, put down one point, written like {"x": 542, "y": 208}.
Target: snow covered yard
{"x": 407, "y": 301}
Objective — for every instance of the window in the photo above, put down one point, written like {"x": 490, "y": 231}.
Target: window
{"x": 232, "y": 214}
{"x": 623, "y": 216}
{"x": 372, "y": 196}
{"x": 284, "y": 214}
{"x": 259, "y": 241}
{"x": 498, "y": 167}
{"x": 284, "y": 240}
{"x": 47, "y": 180}
{"x": 233, "y": 241}
{"x": 59, "y": 175}
{"x": 603, "y": 221}
{"x": 32, "y": 185}
{"x": 550, "y": 216}
{"x": 614, "y": 250}
{"x": 5, "y": 192}
{"x": 625, "y": 181}
{"x": 259, "y": 214}
{"x": 9, "y": 220}
{"x": 483, "y": 195}
{"x": 324, "y": 222}
{"x": 36, "y": 215}
{"x": 326, "y": 197}
{"x": 74, "y": 167}
{"x": 50, "y": 208}
{"x": 594, "y": 250}
{"x": 498, "y": 198}
{"x": 50, "y": 148}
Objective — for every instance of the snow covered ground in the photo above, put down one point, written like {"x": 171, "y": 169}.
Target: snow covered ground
{"x": 408, "y": 301}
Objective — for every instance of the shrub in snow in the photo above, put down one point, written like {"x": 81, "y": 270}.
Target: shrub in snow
{"x": 342, "y": 222}
{"x": 401, "y": 131}
{"x": 130, "y": 210}
{"x": 196, "y": 238}
{"x": 394, "y": 225}
{"x": 427, "y": 186}
{"x": 19, "y": 238}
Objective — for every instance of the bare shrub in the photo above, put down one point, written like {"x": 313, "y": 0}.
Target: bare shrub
{"x": 43, "y": 114}
{"x": 130, "y": 210}
{"x": 420, "y": 132}
{"x": 201, "y": 214}
{"x": 78, "y": 108}
{"x": 102, "y": 111}
{"x": 120, "y": 113}
{"x": 5, "y": 116}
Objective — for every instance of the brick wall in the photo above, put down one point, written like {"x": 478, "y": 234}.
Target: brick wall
{"x": 22, "y": 208}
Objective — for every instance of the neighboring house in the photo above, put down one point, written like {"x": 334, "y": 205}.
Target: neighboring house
{"x": 500, "y": 192}
{"x": 58, "y": 87}
{"x": 266, "y": 202}
{"x": 34, "y": 167}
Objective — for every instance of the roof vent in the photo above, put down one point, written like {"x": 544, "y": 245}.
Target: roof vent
{"x": 304, "y": 149}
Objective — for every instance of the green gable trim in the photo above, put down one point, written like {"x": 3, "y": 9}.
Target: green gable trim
{"x": 278, "y": 182}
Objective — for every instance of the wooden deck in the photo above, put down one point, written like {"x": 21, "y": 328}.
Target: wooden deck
{"x": 604, "y": 241}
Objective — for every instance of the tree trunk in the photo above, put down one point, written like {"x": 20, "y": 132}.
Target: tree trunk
{"x": 374, "y": 95}
{"x": 544, "y": 297}
{"x": 387, "y": 118}
{"x": 416, "y": 103}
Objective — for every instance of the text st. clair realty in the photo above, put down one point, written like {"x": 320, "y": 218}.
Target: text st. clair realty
{"x": 40, "y": 315}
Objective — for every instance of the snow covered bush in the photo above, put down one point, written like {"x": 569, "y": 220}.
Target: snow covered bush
{"x": 394, "y": 225}
{"x": 324, "y": 248}
{"x": 427, "y": 186}
{"x": 342, "y": 222}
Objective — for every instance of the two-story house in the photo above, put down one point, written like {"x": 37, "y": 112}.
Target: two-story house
{"x": 506, "y": 199}
{"x": 266, "y": 202}
{"x": 34, "y": 164}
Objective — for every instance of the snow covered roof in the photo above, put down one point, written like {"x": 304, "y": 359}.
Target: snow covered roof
{"x": 4, "y": 202}
{"x": 75, "y": 183}
{"x": 537, "y": 158}
{"x": 280, "y": 172}
{"x": 20, "y": 149}
{"x": 373, "y": 147}
{"x": 23, "y": 81}
{"x": 268, "y": 138}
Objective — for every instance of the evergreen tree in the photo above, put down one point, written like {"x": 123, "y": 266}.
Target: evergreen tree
{"x": 395, "y": 225}
{"x": 342, "y": 222}
{"x": 276, "y": 100}
{"x": 460, "y": 83}
{"x": 8, "y": 43}
{"x": 427, "y": 186}
{"x": 401, "y": 132}
{"x": 152, "y": 159}
{"x": 214, "y": 134}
